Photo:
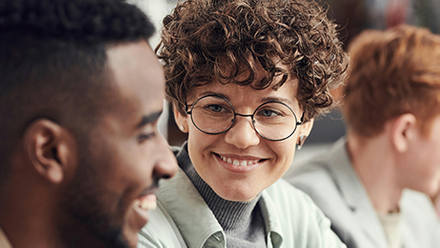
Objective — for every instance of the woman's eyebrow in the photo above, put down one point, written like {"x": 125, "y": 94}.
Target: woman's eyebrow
{"x": 263, "y": 100}
{"x": 276, "y": 99}
{"x": 206, "y": 93}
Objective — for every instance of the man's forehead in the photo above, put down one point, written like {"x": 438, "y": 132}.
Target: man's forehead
{"x": 139, "y": 79}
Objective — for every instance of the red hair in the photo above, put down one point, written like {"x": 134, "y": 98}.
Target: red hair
{"x": 392, "y": 72}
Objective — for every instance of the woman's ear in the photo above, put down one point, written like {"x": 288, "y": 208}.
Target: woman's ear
{"x": 403, "y": 130}
{"x": 303, "y": 132}
{"x": 51, "y": 149}
{"x": 181, "y": 120}
{"x": 305, "y": 128}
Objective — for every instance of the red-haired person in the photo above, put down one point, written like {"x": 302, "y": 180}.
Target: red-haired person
{"x": 374, "y": 183}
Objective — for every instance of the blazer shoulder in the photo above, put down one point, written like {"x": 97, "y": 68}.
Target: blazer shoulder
{"x": 315, "y": 178}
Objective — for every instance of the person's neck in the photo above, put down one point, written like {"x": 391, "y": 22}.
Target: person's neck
{"x": 373, "y": 161}
{"x": 230, "y": 215}
{"x": 26, "y": 224}
{"x": 30, "y": 213}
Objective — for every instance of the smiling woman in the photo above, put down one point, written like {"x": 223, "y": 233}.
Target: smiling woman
{"x": 245, "y": 78}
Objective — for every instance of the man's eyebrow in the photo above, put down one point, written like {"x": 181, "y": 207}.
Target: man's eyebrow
{"x": 147, "y": 119}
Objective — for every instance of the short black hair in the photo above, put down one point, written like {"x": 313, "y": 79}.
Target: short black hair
{"x": 53, "y": 62}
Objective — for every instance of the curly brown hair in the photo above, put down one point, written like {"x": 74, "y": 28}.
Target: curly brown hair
{"x": 213, "y": 40}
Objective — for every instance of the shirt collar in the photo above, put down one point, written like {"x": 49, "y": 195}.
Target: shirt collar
{"x": 187, "y": 207}
{"x": 189, "y": 211}
{"x": 272, "y": 219}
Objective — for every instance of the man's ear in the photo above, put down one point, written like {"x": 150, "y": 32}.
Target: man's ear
{"x": 51, "y": 149}
{"x": 181, "y": 120}
{"x": 403, "y": 131}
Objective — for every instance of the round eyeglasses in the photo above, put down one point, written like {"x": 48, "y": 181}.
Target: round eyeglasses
{"x": 274, "y": 121}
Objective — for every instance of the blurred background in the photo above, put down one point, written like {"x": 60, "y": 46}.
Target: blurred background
{"x": 353, "y": 16}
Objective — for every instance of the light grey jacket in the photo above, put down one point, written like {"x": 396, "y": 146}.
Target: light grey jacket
{"x": 183, "y": 219}
{"x": 334, "y": 186}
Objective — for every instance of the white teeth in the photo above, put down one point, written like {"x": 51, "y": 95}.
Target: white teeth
{"x": 238, "y": 162}
{"x": 145, "y": 203}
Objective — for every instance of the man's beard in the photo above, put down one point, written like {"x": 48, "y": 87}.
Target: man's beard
{"x": 83, "y": 215}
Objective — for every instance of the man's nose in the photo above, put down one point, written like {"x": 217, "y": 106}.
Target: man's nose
{"x": 166, "y": 165}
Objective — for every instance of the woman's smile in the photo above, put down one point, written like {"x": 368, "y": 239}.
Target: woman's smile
{"x": 238, "y": 164}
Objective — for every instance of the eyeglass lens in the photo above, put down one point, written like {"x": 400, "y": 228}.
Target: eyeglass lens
{"x": 271, "y": 120}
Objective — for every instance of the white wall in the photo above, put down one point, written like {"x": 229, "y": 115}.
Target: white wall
{"x": 156, "y": 10}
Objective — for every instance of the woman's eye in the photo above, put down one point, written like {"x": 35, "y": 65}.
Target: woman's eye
{"x": 215, "y": 108}
{"x": 269, "y": 113}
{"x": 141, "y": 138}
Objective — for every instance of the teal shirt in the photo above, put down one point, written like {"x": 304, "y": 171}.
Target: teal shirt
{"x": 183, "y": 219}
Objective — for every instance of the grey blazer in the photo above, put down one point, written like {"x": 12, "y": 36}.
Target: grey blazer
{"x": 334, "y": 186}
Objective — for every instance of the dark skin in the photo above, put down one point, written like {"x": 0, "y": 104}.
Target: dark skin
{"x": 129, "y": 157}
{"x": 29, "y": 209}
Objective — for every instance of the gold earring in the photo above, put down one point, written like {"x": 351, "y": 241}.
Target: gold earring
{"x": 302, "y": 139}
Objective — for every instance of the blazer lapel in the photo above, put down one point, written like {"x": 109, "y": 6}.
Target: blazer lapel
{"x": 355, "y": 195}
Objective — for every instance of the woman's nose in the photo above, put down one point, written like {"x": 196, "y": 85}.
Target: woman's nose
{"x": 242, "y": 133}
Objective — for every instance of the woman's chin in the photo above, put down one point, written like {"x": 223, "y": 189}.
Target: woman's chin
{"x": 237, "y": 196}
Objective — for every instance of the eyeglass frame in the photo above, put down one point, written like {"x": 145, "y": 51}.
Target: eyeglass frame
{"x": 189, "y": 112}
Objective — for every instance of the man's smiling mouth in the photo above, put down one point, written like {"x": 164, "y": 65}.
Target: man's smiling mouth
{"x": 146, "y": 202}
